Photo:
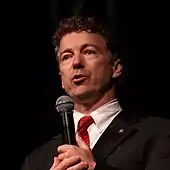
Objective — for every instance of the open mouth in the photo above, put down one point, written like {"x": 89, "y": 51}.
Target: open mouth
{"x": 79, "y": 79}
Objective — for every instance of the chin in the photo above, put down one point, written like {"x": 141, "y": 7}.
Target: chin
{"x": 81, "y": 94}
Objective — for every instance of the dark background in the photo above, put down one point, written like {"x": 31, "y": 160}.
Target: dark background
{"x": 144, "y": 31}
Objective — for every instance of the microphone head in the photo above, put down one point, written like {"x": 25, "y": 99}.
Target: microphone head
{"x": 64, "y": 103}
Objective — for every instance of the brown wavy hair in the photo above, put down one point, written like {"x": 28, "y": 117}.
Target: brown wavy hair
{"x": 88, "y": 24}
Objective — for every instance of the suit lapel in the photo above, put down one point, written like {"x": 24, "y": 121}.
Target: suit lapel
{"x": 116, "y": 133}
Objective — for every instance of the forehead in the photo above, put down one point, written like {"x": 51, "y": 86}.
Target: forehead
{"x": 77, "y": 39}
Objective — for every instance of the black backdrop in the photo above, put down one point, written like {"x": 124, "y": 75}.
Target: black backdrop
{"x": 144, "y": 29}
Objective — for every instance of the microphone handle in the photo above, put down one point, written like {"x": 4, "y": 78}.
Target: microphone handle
{"x": 69, "y": 130}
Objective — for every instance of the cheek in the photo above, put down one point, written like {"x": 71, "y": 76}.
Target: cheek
{"x": 64, "y": 73}
{"x": 102, "y": 74}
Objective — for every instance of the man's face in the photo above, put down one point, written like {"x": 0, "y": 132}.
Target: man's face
{"x": 84, "y": 63}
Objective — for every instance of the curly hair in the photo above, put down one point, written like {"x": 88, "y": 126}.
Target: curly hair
{"x": 88, "y": 24}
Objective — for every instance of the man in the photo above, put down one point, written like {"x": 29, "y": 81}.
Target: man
{"x": 89, "y": 67}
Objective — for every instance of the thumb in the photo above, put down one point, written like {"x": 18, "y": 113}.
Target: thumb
{"x": 81, "y": 142}
{"x": 55, "y": 163}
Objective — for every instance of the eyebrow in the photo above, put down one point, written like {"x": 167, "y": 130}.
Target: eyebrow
{"x": 68, "y": 50}
{"x": 83, "y": 46}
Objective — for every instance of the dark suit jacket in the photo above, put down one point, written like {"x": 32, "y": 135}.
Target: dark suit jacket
{"x": 127, "y": 144}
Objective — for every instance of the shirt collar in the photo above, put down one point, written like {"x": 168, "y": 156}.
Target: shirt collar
{"x": 102, "y": 115}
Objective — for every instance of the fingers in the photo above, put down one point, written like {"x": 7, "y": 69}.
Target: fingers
{"x": 74, "y": 157}
{"x": 81, "y": 142}
{"x": 70, "y": 151}
{"x": 64, "y": 148}
{"x": 68, "y": 162}
{"x": 63, "y": 156}
{"x": 55, "y": 163}
{"x": 80, "y": 166}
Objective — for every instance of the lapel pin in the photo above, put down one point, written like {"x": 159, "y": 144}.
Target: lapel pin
{"x": 121, "y": 131}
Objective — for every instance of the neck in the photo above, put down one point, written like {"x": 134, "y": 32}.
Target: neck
{"x": 91, "y": 104}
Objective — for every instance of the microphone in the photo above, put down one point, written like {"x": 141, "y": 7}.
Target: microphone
{"x": 64, "y": 105}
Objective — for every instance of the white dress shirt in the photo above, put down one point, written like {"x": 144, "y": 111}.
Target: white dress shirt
{"x": 102, "y": 116}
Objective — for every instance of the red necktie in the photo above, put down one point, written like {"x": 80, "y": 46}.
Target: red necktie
{"x": 83, "y": 125}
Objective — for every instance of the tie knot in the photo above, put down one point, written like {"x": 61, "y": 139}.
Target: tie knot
{"x": 84, "y": 123}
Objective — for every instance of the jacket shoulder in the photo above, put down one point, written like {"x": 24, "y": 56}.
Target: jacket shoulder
{"x": 155, "y": 125}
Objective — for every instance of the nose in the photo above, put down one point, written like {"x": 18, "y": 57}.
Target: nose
{"x": 78, "y": 61}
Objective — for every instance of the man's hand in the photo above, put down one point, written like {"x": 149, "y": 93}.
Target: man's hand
{"x": 74, "y": 157}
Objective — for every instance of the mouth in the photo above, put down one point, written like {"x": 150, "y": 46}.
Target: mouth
{"x": 79, "y": 79}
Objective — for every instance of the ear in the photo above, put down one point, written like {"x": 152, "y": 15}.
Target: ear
{"x": 62, "y": 84}
{"x": 117, "y": 68}
{"x": 61, "y": 80}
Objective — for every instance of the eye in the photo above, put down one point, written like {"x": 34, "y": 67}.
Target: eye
{"x": 65, "y": 57}
{"x": 89, "y": 52}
